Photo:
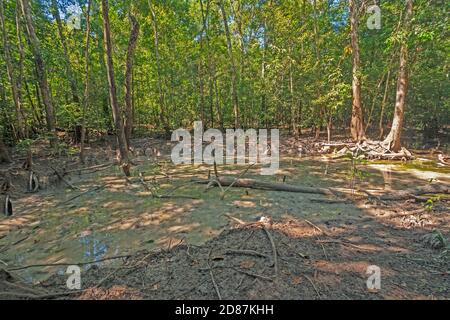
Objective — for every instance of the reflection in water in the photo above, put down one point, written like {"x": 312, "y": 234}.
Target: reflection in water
{"x": 93, "y": 248}
{"x": 114, "y": 223}
{"x": 387, "y": 177}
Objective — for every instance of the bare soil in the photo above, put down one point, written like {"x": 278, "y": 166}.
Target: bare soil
{"x": 192, "y": 249}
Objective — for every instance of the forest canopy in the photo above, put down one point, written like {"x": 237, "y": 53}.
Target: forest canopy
{"x": 229, "y": 63}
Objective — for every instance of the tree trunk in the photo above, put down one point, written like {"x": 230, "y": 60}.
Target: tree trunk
{"x": 62, "y": 38}
{"x": 233, "y": 71}
{"x": 120, "y": 134}
{"x": 86, "y": 82}
{"x": 20, "y": 77}
{"x": 393, "y": 140}
{"x": 162, "y": 114}
{"x": 40, "y": 66}
{"x": 12, "y": 80}
{"x": 132, "y": 41}
{"x": 383, "y": 104}
{"x": 209, "y": 62}
{"x": 356, "y": 125}
{"x": 4, "y": 154}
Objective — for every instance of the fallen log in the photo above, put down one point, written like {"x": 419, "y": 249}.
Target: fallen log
{"x": 414, "y": 192}
{"x": 261, "y": 185}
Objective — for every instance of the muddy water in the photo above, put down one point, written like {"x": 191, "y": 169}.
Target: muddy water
{"x": 52, "y": 227}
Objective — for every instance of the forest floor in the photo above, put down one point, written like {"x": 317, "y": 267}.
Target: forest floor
{"x": 132, "y": 243}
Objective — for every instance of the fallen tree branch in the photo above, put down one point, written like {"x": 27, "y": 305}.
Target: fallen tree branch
{"x": 68, "y": 264}
{"x": 274, "y": 249}
{"x": 60, "y": 176}
{"x": 85, "y": 192}
{"x": 261, "y": 185}
{"x": 211, "y": 274}
{"x": 412, "y": 193}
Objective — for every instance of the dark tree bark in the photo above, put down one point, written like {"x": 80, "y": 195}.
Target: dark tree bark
{"x": 4, "y": 153}
{"x": 40, "y": 66}
{"x": 393, "y": 140}
{"x": 21, "y": 129}
{"x": 356, "y": 125}
{"x": 132, "y": 41}
{"x": 120, "y": 133}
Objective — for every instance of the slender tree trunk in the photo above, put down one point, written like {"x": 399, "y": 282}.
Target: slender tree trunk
{"x": 40, "y": 66}
{"x": 218, "y": 108}
{"x": 356, "y": 125}
{"x": 4, "y": 153}
{"x": 162, "y": 114}
{"x": 383, "y": 104}
{"x": 233, "y": 71}
{"x": 20, "y": 77}
{"x": 132, "y": 41}
{"x": 35, "y": 111}
{"x": 62, "y": 38}
{"x": 12, "y": 79}
{"x": 120, "y": 134}
{"x": 209, "y": 62}
{"x": 393, "y": 140}
{"x": 86, "y": 82}
{"x": 294, "y": 108}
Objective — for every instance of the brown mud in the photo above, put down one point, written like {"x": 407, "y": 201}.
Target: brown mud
{"x": 173, "y": 245}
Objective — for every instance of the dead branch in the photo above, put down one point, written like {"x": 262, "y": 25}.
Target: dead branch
{"x": 232, "y": 184}
{"x": 211, "y": 274}
{"x": 254, "y": 275}
{"x": 274, "y": 249}
{"x": 414, "y": 192}
{"x": 245, "y": 252}
{"x": 83, "y": 193}
{"x": 260, "y": 185}
{"x": 69, "y": 264}
{"x": 60, "y": 176}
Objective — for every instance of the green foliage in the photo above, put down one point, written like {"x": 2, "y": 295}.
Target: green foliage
{"x": 290, "y": 57}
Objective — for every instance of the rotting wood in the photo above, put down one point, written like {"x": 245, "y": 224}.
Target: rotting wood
{"x": 261, "y": 185}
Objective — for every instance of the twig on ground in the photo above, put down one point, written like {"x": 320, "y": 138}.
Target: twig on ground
{"x": 60, "y": 176}
{"x": 274, "y": 249}
{"x": 236, "y": 180}
{"x": 68, "y": 264}
{"x": 246, "y": 252}
{"x": 314, "y": 286}
{"x": 211, "y": 274}
{"x": 83, "y": 193}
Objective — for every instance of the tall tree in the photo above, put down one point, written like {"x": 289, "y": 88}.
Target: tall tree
{"x": 62, "y": 38}
{"x": 86, "y": 82}
{"x": 120, "y": 133}
{"x": 14, "y": 82}
{"x": 132, "y": 41}
{"x": 233, "y": 70}
{"x": 356, "y": 125}
{"x": 393, "y": 140}
{"x": 162, "y": 103}
{"x": 4, "y": 153}
{"x": 40, "y": 66}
